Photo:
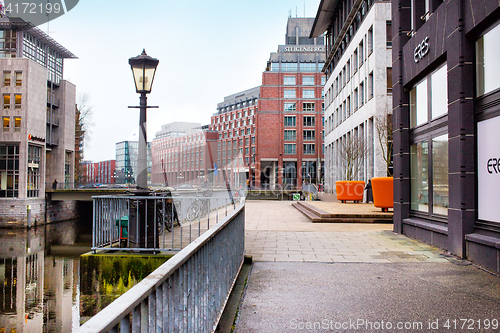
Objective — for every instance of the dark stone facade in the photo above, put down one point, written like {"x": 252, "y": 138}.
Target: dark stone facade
{"x": 452, "y": 30}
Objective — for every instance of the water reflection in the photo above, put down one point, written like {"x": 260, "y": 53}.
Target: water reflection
{"x": 40, "y": 278}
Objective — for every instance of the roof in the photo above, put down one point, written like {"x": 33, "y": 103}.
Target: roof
{"x": 323, "y": 18}
{"x": 39, "y": 34}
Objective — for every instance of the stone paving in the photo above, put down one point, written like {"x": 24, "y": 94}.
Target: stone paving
{"x": 275, "y": 231}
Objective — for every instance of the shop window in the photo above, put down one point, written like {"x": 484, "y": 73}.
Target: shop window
{"x": 33, "y": 181}
{"x": 9, "y": 171}
{"x": 487, "y": 64}
{"x": 290, "y": 175}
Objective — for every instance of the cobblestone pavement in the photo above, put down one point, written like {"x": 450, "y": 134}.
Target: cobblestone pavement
{"x": 275, "y": 231}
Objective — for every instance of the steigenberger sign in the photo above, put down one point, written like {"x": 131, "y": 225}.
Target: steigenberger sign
{"x": 303, "y": 49}
{"x": 488, "y": 173}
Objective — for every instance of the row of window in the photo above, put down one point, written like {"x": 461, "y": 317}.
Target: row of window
{"x": 307, "y": 80}
{"x": 17, "y": 77}
{"x": 308, "y": 121}
{"x": 296, "y": 67}
{"x": 7, "y": 99}
{"x": 236, "y": 152}
{"x": 238, "y": 106}
{"x": 236, "y": 143}
{"x": 232, "y": 116}
{"x": 291, "y": 135}
{"x": 306, "y": 93}
{"x": 236, "y": 124}
{"x": 236, "y": 132}
{"x": 307, "y": 149}
{"x": 7, "y": 123}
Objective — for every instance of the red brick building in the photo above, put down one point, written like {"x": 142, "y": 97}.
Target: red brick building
{"x": 99, "y": 172}
{"x": 181, "y": 154}
{"x": 273, "y": 134}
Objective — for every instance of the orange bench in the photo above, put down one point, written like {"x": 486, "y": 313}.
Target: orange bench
{"x": 382, "y": 188}
{"x": 351, "y": 190}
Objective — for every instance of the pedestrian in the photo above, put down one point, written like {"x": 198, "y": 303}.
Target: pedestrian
{"x": 205, "y": 183}
{"x": 54, "y": 184}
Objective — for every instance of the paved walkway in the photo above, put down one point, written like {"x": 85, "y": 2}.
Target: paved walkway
{"x": 275, "y": 231}
{"x": 339, "y": 277}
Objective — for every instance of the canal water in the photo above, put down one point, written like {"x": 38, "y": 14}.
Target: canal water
{"x": 46, "y": 285}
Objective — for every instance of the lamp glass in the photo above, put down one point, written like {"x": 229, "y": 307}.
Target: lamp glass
{"x": 143, "y": 77}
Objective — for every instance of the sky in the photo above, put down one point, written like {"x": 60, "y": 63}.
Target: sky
{"x": 207, "y": 50}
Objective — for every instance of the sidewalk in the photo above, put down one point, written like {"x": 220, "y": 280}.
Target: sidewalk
{"x": 355, "y": 278}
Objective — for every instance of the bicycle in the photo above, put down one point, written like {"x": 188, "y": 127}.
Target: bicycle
{"x": 166, "y": 213}
{"x": 200, "y": 207}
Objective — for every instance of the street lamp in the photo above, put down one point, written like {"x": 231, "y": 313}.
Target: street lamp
{"x": 143, "y": 69}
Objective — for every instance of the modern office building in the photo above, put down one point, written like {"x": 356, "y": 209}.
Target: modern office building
{"x": 183, "y": 153}
{"x": 37, "y": 140}
{"x": 446, "y": 97}
{"x": 126, "y": 162}
{"x": 103, "y": 172}
{"x": 358, "y": 91}
{"x": 274, "y": 133}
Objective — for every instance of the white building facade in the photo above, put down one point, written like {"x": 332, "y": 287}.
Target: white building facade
{"x": 358, "y": 92}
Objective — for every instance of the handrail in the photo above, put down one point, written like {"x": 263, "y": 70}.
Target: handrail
{"x": 143, "y": 308}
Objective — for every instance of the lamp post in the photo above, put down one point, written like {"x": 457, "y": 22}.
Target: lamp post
{"x": 143, "y": 69}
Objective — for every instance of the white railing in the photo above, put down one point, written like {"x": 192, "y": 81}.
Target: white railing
{"x": 187, "y": 293}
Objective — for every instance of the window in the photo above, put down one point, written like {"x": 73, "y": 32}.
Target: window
{"x": 370, "y": 85}
{"x": 6, "y": 101}
{"x": 309, "y": 135}
{"x": 9, "y": 171}
{"x": 308, "y": 80}
{"x": 17, "y": 124}
{"x": 289, "y": 93}
{"x": 308, "y": 66}
{"x": 388, "y": 29}
{"x": 389, "y": 80}
{"x": 275, "y": 66}
{"x": 6, "y": 123}
{"x": 308, "y": 121}
{"x": 361, "y": 53}
{"x": 289, "y": 80}
{"x": 290, "y": 174}
{"x": 19, "y": 79}
{"x": 420, "y": 110}
{"x": 290, "y": 135}
{"x": 487, "y": 65}
{"x": 290, "y": 106}
{"x": 6, "y": 79}
{"x": 34, "y": 160}
{"x": 361, "y": 94}
{"x": 309, "y": 149}
{"x": 355, "y": 61}
{"x": 289, "y": 66}
{"x": 355, "y": 99}
{"x": 323, "y": 80}
{"x": 289, "y": 122}
{"x": 290, "y": 148}
{"x": 370, "y": 40}
{"x": 308, "y": 107}
{"x": 308, "y": 93}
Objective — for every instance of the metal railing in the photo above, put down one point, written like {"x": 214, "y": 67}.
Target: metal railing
{"x": 187, "y": 293}
{"x": 157, "y": 222}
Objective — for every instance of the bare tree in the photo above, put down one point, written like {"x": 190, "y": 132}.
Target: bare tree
{"x": 83, "y": 117}
{"x": 383, "y": 125}
{"x": 353, "y": 152}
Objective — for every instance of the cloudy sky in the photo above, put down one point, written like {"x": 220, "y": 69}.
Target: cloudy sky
{"x": 207, "y": 50}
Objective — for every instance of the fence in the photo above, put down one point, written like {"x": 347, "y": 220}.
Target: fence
{"x": 187, "y": 293}
{"x": 157, "y": 222}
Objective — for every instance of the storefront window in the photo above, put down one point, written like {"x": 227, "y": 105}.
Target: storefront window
{"x": 290, "y": 175}
{"x": 440, "y": 175}
{"x": 487, "y": 65}
{"x": 9, "y": 171}
{"x": 34, "y": 154}
{"x": 439, "y": 93}
{"x": 418, "y": 104}
{"x": 419, "y": 176}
